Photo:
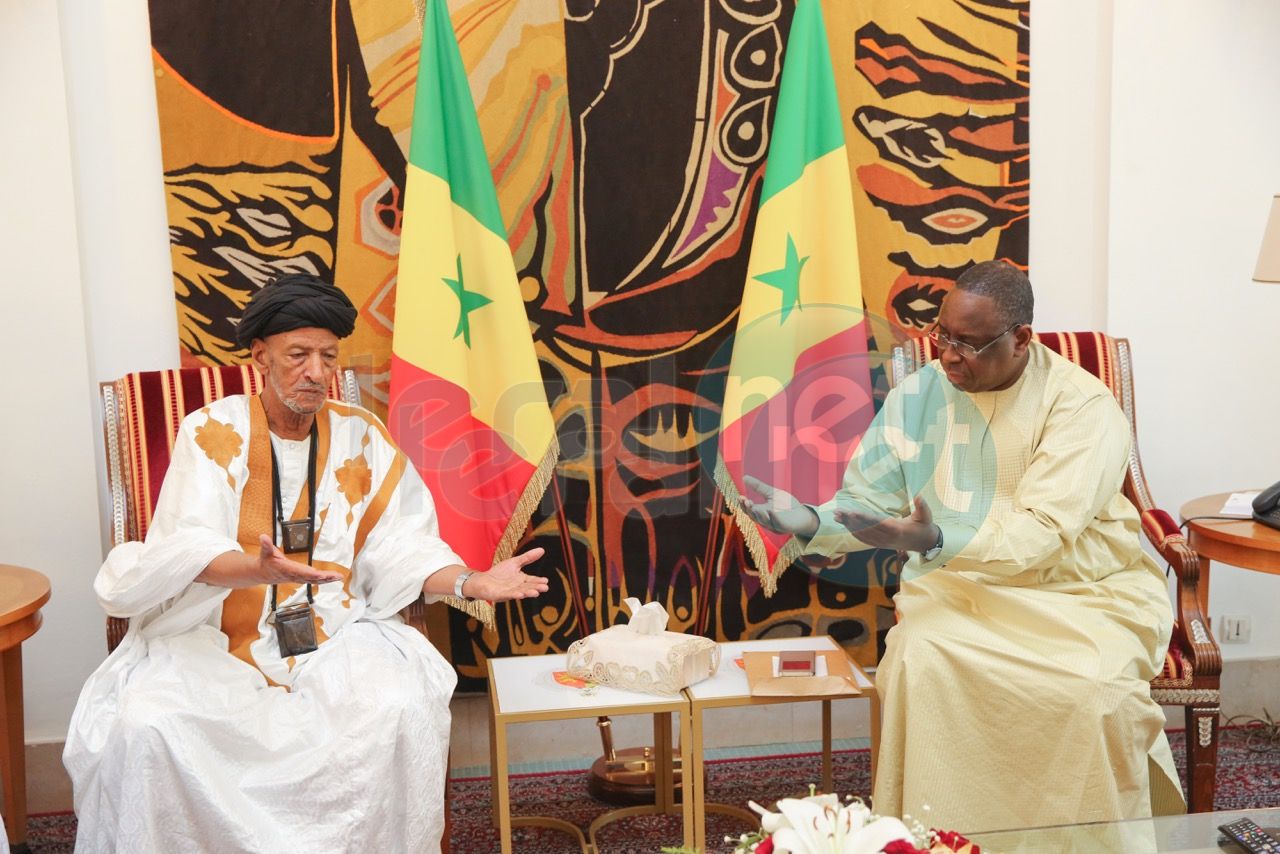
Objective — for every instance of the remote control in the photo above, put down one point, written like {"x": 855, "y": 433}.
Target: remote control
{"x": 1246, "y": 833}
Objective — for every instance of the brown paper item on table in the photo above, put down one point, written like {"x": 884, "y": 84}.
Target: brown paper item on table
{"x": 837, "y": 682}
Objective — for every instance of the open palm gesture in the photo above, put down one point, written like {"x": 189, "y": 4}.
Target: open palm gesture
{"x": 507, "y": 579}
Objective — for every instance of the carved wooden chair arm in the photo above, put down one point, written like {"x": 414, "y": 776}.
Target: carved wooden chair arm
{"x": 1193, "y": 625}
{"x": 415, "y": 614}
{"x": 116, "y": 628}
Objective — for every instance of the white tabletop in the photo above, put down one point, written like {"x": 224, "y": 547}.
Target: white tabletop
{"x": 730, "y": 680}
{"x": 526, "y": 684}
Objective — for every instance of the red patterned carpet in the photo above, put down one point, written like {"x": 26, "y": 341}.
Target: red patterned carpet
{"x": 1246, "y": 778}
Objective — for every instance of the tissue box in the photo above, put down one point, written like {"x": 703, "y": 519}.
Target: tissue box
{"x": 642, "y": 656}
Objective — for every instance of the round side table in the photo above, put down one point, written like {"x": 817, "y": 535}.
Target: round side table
{"x": 23, "y": 593}
{"x": 1238, "y": 542}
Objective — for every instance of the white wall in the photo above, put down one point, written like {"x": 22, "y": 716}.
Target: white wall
{"x": 1070, "y": 136}
{"x": 1153, "y": 132}
{"x": 48, "y": 502}
{"x": 126, "y": 277}
{"x": 115, "y": 145}
{"x": 85, "y": 262}
{"x": 1195, "y": 160}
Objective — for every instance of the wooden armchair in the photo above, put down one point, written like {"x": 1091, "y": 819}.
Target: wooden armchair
{"x": 1193, "y": 663}
{"x": 141, "y": 413}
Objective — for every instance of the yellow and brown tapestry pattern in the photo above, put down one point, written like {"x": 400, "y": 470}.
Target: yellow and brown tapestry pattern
{"x": 627, "y": 141}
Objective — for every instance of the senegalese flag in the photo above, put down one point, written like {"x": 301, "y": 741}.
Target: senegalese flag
{"x": 798, "y": 394}
{"x": 467, "y": 404}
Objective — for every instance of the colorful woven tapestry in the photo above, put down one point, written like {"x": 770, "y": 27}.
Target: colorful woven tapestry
{"x": 937, "y": 98}
{"x": 627, "y": 142}
{"x": 467, "y": 401}
{"x": 282, "y": 143}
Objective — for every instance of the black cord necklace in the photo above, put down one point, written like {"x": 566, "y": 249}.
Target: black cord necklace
{"x": 297, "y": 535}
{"x": 295, "y": 624}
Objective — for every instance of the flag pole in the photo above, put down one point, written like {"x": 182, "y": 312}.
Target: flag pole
{"x": 708, "y": 559}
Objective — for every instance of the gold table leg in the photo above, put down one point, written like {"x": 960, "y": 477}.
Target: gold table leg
{"x": 694, "y": 783}
{"x": 501, "y": 783}
{"x": 690, "y": 774}
{"x": 663, "y": 778}
{"x": 828, "y": 781}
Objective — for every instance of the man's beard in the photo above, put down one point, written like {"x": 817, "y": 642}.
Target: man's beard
{"x": 293, "y": 405}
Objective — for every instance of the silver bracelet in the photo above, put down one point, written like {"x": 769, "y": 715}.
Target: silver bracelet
{"x": 460, "y": 581}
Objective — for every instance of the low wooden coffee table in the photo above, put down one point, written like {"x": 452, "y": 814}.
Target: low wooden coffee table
{"x": 23, "y": 593}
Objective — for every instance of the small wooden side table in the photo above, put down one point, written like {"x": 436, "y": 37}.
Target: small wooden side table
{"x": 524, "y": 688}
{"x": 23, "y": 593}
{"x": 728, "y": 688}
{"x": 1238, "y": 542}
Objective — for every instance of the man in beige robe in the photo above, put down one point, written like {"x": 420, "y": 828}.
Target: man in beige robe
{"x": 1015, "y": 683}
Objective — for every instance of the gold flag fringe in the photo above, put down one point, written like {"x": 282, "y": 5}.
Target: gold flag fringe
{"x": 751, "y": 534}
{"x": 529, "y": 500}
{"x": 515, "y": 530}
{"x": 478, "y": 608}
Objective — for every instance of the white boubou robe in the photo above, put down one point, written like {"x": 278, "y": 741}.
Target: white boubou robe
{"x": 196, "y": 734}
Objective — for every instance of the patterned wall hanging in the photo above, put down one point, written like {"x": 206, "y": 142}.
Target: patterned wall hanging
{"x": 627, "y": 141}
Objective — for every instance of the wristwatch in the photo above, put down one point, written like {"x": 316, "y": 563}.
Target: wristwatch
{"x": 461, "y": 580}
{"x": 930, "y": 554}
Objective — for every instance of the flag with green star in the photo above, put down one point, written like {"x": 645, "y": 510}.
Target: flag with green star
{"x": 798, "y": 393}
{"x": 467, "y": 404}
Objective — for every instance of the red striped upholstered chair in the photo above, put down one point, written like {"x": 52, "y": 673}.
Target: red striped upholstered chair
{"x": 1193, "y": 663}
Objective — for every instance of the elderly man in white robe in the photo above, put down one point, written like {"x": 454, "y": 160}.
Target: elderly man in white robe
{"x": 267, "y": 696}
{"x": 1015, "y": 682}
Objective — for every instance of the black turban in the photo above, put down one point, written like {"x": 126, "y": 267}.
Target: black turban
{"x": 296, "y": 301}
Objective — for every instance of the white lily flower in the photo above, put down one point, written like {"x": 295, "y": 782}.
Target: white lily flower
{"x": 820, "y": 824}
{"x": 876, "y": 835}
{"x": 808, "y": 829}
{"x": 769, "y": 821}
{"x": 859, "y": 813}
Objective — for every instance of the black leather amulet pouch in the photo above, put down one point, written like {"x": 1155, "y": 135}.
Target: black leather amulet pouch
{"x": 296, "y": 629}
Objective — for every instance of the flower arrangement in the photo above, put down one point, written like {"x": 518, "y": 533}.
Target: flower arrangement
{"x": 820, "y": 824}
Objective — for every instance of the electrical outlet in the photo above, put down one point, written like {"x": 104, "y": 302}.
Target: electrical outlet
{"x": 1234, "y": 630}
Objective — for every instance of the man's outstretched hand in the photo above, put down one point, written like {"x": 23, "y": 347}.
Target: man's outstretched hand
{"x": 914, "y": 533}
{"x": 780, "y": 512}
{"x": 275, "y": 568}
{"x": 507, "y": 580}
{"x": 268, "y": 566}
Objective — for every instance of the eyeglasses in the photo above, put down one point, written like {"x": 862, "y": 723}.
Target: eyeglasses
{"x": 965, "y": 351}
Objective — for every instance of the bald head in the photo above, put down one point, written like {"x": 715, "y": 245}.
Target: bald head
{"x": 1005, "y": 285}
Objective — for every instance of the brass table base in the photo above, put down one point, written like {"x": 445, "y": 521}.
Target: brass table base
{"x": 628, "y": 778}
